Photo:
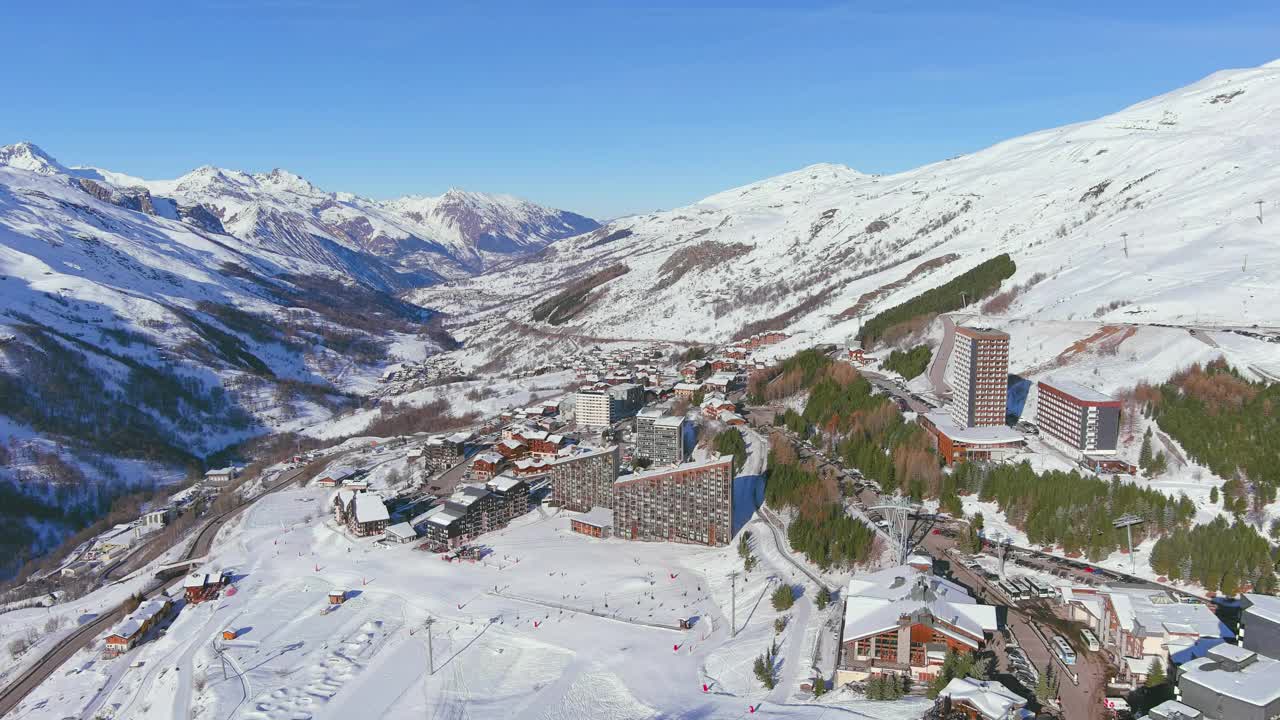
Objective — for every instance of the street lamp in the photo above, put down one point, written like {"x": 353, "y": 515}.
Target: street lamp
{"x": 1127, "y": 521}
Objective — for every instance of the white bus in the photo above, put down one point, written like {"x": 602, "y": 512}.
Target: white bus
{"x": 1063, "y": 650}
{"x": 1015, "y": 593}
{"x": 1042, "y": 589}
{"x": 1090, "y": 640}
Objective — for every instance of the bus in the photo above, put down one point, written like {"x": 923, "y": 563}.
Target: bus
{"x": 1014, "y": 592}
{"x": 1042, "y": 588}
{"x": 1026, "y": 588}
{"x": 1063, "y": 650}
{"x": 1090, "y": 640}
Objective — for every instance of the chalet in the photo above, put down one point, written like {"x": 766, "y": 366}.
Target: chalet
{"x": 485, "y": 466}
{"x": 358, "y": 486}
{"x": 724, "y": 364}
{"x": 903, "y": 622}
{"x": 713, "y": 405}
{"x": 687, "y": 390}
{"x": 720, "y": 382}
{"x": 694, "y": 370}
{"x": 337, "y": 596}
{"x": 598, "y": 522}
{"x": 341, "y": 501}
{"x": 550, "y": 409}
{"x": 367, "y": 515}
{"x": 531, "y": 467}
{"x": 203, "y": 585}
{"x": 547, "y": 445}
{"x": 731, "y": 418}
{"x": 982, "y": 700}
{"x": 414, "y": 456}
{"x": 129, "y": 631}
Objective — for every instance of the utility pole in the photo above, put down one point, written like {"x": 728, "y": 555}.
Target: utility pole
{"x": 1259, "y": 204}
{"x": 431, "y": 656}
{"x": 733, "y": 618}
{"x": 1125, "y": 235}
{"x": 1127, "y": 521}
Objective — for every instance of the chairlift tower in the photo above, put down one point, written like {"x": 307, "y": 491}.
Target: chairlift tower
{"x": 897, "y": 512}
{"x": 1127, "y": 521}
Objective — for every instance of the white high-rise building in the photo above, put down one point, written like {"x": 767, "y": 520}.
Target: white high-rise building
{"x": 979, "y": 377}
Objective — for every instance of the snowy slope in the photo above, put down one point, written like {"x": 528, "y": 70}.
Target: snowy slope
{"x": 105, "y": 304}
{"x": 1176, "y": 178}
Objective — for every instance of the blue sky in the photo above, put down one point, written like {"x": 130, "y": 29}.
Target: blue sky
{"x": 603, "y": 108}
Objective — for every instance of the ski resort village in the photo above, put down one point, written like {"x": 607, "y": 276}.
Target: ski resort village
{"x": 994, "y": 438}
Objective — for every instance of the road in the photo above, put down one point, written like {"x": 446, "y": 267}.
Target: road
{"x": 87, "y": 633}
{"x": 938, "y": 366}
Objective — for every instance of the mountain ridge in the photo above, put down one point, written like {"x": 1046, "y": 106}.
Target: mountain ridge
{"x": 1142, "y": 215}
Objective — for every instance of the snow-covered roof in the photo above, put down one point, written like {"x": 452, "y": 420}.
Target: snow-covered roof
{"x": 1076, "y": 390}
{"x": 131, "y": 624}
{"x": 402, "y": 530}
{"x": 369, "y": 508}
{"x": 991, "y": 699}
{"x": 689, "y": 387}
{"x": 448, "y": 514}
{"x": 1257, "y": 682}
{"x": 1154, "y": 612}
{"x": 998, "y": 434}
{"x": 458, "y": 438}
{"x": 1266, "y": 607}
{"x": 875, "y": 602}
{"x": 197, "y": 579}
{"x": 1173, "y": 708}
{"x": 489, "y": 457}
{"x": 504, "y": 483}
{"x": 669, "y": 469}
{"x": 726, "y": 416}
{"x": 669, "y": 421}
{"x": 512, "y": 444}
{"x": 596, "y": 517}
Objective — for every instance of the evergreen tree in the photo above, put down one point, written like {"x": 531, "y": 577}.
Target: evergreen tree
{"x": 1155, "y": 673}
{"x": 1213, "y": 496}
{"x": 823, "y": 598}
{"x": 1144, "y": 455}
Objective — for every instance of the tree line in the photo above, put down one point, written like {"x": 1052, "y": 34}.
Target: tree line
{"x": 968, "y": 287}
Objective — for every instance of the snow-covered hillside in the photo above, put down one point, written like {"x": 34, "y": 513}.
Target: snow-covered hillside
{"x": 117, "y": 324}
{"x": 1150, "y": 215}
{"x": 422, "y": 238}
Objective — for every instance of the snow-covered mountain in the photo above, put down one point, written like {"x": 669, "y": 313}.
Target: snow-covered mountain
{"x": 1149, "y": 215}
{"x": 422, "y": 238}
{"x": 130, "y": 328}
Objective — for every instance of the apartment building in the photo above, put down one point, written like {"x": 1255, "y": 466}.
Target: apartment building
{"x": 585, "y": 480}
{"x": 591, "y": 409}
{"x": 659, "y": 437}
{"x": 1079, "y": 416}
{"x": 979, "y": 377}
{"x": 691, "y": 503}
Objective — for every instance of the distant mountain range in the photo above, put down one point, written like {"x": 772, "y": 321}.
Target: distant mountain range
{"x": 1149, "y": 215}
{"x": 415, "y": 239}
